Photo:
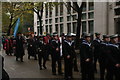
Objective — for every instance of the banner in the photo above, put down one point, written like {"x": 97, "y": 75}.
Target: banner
{"x": 16, "y": 27}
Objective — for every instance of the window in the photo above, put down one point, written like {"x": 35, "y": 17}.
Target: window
{"x": 46, "y": 21}
{"x": 61, "y": 9}
{"x": 61, "y": 28}
{"x": 84, "y": 7}
{"x": 46, "y": 11}
{"x": 61, "y": 19}
{"x": 74, "y": 27}
{"x": 91, "y": 26}
{"x": 68, "y": 18}
{"x": 74, "y": 17}
{"x": 118, "y": 3}
{"x": 84, "y": 26}
{"x": 117, "y": 11}
{"x": 91, "y": 5}
{"x": 50, "y": 21}
{"x": 84, "y": 16}
{"x": 91, "y": 15}
{"x": 56, "y": 10}
{"x": 69, "y": 27}
{"x": 47, "y": 29}
{"x": 69, "y": 10}
{"x": 38, "y": 30}
{"x": 50, "y": 28}
{"x": 56, "y": 28}
{"x": 50, "y": 12}
{"x": 38, "y": 22}
{"x": 56, "y": 20}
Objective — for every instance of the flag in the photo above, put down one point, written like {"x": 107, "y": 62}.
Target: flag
{"x": 16, "y": 27}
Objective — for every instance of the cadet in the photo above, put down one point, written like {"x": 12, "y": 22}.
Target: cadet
{"x": 41, "y": 50}
{"x": 86, "y": 59}
{"x": 56, "y": 58}
{"x": 102, "y": 56}
{"x": 69, "y": 55}
{"x": 96, "y": 45}
{"x": 113, "y": 59}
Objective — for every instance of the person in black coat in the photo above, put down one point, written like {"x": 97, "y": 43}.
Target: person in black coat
{"x": 113, "y": 59}
{"x": 42, "y": 53}
{"x": 102, "y": 56}
{"x": 69, "y": 56}
{"x": 56, "y": 58}
{"x": 86, "y": 59}
{"x": 5, "y": 75}
{"x": 96, "y": 44}
{"x": 32, "y": 48}
{"x": 19, "y": 47}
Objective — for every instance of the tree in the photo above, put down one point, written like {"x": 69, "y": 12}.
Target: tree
{"x": 78, "y": 8}
{"x": 13, "y": 10}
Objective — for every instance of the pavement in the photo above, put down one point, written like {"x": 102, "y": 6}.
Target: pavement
{"x": 30, "y": 69}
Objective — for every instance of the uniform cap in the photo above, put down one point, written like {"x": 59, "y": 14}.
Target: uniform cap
{"x": 106, "y": 36}
{"x": 88, "y": 35}
{"x": 114, "y": 36}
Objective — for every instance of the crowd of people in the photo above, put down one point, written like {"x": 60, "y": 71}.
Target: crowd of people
{"x": 105, "y": 51}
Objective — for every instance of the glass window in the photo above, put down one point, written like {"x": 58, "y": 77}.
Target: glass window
{"x": 84, "y": 26}
{"x": 61, "y": 28}
{"x": 38, "y": 22}
{"x": 46, "y": 10}
{"x": 61, "y": 19}
{"x": 117, "y": 11}
{"x": 74, "y": 27}
{"x": 91, "y": 15}
{"x": 50, "y": 28}
{"x": 56, "y": 20}
{"x": 38, "y": 30}
{"x": 56, "y": 28}
{"x": 84, "y": 16}
{"x": 84, "y": 7}
{"x": 50, "y": 21}
{"x": 56, "y": 10}
{"x": 90, "y": 26}
{"x": 74, "y": 17}
{"x": 46, "y": 21}
{"x": 61, "y": 9}
{"x": 69, "y": 27}
{"x": 68, "y": 18}
{"x": 47, "y": 29}
{"x": 91, "y": 6}
{"x": 118, "y": 3}
{"x": 69, "y": 10}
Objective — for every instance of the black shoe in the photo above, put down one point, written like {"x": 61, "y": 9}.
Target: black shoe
{"x": 45, "y": 67}
{"x": 60, "y": 73}
{"x": 40, "y": 68}
{"x": 22, "y": 61}
{"x": 53, "y": 73}
{"x": 16, "y": 59}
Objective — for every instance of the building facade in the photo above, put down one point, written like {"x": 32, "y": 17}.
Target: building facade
{"x": 102, "y": 17}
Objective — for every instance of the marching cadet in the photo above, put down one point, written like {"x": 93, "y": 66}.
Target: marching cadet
{"x": 102, "y": 56}
{"x": 41, "y": 50}
{"x": 113, "y": 59}
{"x": 69, "y": 55}
{"x": 56, "y": 57}
{"x": 96, "y": 44}
{"x": 31, "y": 47}
{"x": 86, "y": 59}
{"x": 19, "y": 47}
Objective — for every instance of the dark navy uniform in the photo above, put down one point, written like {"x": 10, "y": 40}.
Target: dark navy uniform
{"x": 87, "y": 68}
{"x": 96, "y": 44}
{"x": 42, "y": 53}
{"x": 56, "y": 58}
{"x": 68, "y": 47}
{"x": 113, "y": 58}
